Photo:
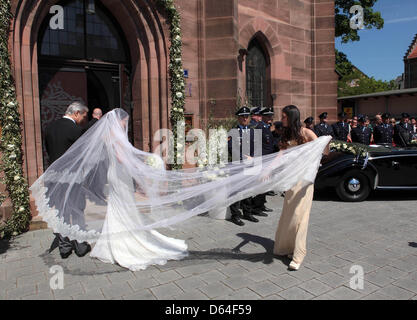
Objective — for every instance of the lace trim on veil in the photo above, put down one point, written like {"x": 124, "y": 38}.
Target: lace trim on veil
{"x": 57, "y": 224}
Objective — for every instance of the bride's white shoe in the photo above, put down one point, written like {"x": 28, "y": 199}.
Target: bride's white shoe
{"x": 294, "y": 266}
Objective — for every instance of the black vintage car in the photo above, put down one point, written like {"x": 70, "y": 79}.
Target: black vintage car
{"x": 354, "y": 176}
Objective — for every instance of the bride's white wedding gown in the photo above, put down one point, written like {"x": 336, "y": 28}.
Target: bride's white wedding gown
{"x": 118, "y": 243}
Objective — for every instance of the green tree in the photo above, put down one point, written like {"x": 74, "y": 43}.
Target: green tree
{"x": 372, "y": 19}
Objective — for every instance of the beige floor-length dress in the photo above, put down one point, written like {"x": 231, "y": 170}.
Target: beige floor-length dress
{"x": 291, "y": 234}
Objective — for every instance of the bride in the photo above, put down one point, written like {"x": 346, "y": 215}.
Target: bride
{"x": 130, "y": 195}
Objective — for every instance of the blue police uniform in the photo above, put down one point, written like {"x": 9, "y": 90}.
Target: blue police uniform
{"x": 361, "y": 134}
{"x": 341, "y": 131}
{"x": 383, "y": 133}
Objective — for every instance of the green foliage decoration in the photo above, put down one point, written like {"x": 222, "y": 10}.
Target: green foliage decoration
{"x": 11, "y": 139}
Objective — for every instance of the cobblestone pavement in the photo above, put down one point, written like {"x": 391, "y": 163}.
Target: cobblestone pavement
{"x": 231, "y": 262}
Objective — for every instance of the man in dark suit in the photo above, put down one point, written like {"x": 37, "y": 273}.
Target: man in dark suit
{"x": 383, "y": 131}
{"x": 341, "y": 128}
{"x": 403, "y": 131}
{"x": 361, "y": 134}
{"x": 323, "y": 128}
{"x": 97, "y": 114}
{"x": 60, "y": 135}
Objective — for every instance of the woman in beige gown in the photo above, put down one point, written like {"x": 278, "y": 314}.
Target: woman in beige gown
{"x": 291, "y": 234}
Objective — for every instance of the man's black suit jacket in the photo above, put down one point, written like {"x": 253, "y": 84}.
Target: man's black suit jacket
{"x": 60, "y": 135}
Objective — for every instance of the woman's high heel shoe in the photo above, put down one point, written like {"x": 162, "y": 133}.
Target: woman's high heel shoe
{"x": 294, "y": 266}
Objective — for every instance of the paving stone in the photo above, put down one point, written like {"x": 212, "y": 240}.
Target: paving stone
{"x": 285, "y": 281}
{"x": 395, "y": 292}
{"x": 392, "y": 272}
{"x": 167, "y": 276}
{"x": 345, "y": 293}
{"x": 273, "y": 297}
{"x": 191, "y": 295}
{"x": 190, "y": 283}
{"x": 320, "y": 267}
{"x": 231, "y": 271}
{"x": 376, "y": 296}
{"x": 265, "y": 288}
{"x": 212, "y": 276}
{"x": 140, "y": 295}
{"x": 117, "y": 290}
{"x": 95, "y": 283}
{"x": 259, "y": 275}
{"x": 304, "y": 274}
{"x": 94, "y": 294}
{"x": 40, "y": 296}
{"x": 196, "y": 269}
{"x": 68, "y": 291}
{"x": 12, "y": 273}
{"x": 166, "y": 291}
{"x": 315, "y": 287}
{"x": 332, "y": 279}
{"x": 31, "y": 279}
{"x": 17, "y": 293}
{"x": 407, "y": 285}
{"x": 295, "y": 294}
{"x": 325, "y": 296}
{"x": 215, "y": 290}
{"x": 244, "y": 294}
{"x": 378, "y": 278}
{"x": 139, "y": 284}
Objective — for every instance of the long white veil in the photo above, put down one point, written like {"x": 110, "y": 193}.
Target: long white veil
{"x": 72, "y": 194}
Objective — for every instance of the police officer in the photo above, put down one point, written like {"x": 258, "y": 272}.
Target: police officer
{"x": 245, "y": 136}
{"x": 309, "y": 123}
{"x": 403, "y": 131}
{"x": 323, "y": 128}
{"x": 341, "y": 128}
{"x": 255, "y": 114}
{"x": 361, "y": 134}
{"x": 269, "y": 145}
{"x": 383, "y": 131}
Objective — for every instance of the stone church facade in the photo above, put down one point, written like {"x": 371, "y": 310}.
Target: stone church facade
{"x": 115, "y": 53}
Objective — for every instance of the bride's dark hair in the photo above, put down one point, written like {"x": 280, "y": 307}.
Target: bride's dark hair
{"x": 293, "y": 129}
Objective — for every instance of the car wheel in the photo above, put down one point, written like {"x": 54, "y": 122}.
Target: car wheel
{"x": 353, "y": 187}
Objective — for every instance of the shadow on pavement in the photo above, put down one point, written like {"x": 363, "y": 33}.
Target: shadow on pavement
{"x": 266, "y": 257}
{"x": 413, "y": 244}
{"x": 194, "y": 257}
{"x": 4, "y": 246}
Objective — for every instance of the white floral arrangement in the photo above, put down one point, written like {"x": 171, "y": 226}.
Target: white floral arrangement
{"x": 350, "y": 148}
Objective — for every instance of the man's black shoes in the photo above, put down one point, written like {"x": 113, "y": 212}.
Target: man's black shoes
{"x": 266, "y": 209}
{"x": 81, "y": 249}
{"x": 236, "y": 220}
{"x": 250, "y": 217}
{"x": 258, "y": 212}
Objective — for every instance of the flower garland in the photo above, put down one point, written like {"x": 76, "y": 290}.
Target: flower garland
{"x": 11, "y": 138}
{"x": 176, "y": 73}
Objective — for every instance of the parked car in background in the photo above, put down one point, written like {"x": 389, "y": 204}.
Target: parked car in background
{"x": 355, "y": 170}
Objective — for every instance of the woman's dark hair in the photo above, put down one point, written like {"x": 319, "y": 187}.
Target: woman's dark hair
{"x": 293, "y": 131}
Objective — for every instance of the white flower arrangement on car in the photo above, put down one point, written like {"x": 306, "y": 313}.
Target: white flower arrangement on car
{"x": 350, "y": 148}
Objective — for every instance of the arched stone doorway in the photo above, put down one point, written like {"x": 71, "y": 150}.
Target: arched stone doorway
{"x": 86, "y": 59}
{"x": 142, "y": 24}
